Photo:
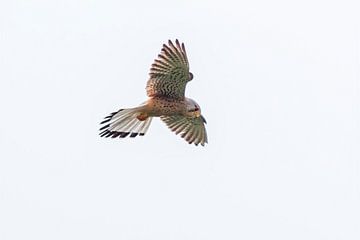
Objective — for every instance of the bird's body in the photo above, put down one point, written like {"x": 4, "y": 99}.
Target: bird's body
{"x": 166, "y": 90}
{"x": 159, "y": 106}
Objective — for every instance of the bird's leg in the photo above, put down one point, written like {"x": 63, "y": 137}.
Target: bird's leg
{"x": 142, "y": 116}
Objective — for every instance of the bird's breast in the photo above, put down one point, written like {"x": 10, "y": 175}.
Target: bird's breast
{"x": 163, "y": 106}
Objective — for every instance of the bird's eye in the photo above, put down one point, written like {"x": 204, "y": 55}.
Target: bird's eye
{"x": 195, "y": 109}
{"x": 191, "y": 76}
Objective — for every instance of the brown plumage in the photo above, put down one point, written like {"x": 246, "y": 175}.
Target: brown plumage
{"x": 169, "y": 75}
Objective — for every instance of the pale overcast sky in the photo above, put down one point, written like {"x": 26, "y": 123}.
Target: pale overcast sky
{"x": 277, "y": 81}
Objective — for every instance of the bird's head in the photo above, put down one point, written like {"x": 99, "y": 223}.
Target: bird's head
{"x": 192, "y": 108}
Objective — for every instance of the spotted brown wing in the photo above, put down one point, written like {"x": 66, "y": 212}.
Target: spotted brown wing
{"x": 169, "y": 73}
{"x": 191, "y": 129}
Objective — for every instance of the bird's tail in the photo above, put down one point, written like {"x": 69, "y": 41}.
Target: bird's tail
{"x": 125, "y": 122}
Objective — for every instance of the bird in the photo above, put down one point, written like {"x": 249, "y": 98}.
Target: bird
{"x": 165, "y": 89}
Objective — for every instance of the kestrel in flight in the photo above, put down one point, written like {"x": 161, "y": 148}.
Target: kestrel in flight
{"x": 169, "y": 75}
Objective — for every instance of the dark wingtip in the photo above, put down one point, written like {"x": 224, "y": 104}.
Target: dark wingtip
{"x": 105, "y": 121}
{"x": 141, "y": 134}
{"x": 103, "y": 133}
{"x": 108, "y": 118}
{"x": 171, "y": 44}
{"x": 109, "y": 134}
{"x": 104, "y": 127}
{"x": 134, "y": 134}
{"x": 124, "y": 134}
{"x": 204, "y": 120}
{"x": 115, "y": 134}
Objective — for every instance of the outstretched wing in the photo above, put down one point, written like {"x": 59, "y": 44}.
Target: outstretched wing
{"x": 169, "y": 73}
{"x": 191, "y": 129}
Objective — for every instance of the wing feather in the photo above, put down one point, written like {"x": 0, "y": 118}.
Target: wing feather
{"x": 169, "y": 73}
{"x": 191, "y": 129}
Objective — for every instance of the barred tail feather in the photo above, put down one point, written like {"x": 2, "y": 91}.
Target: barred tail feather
{"x": 124, "y": 123}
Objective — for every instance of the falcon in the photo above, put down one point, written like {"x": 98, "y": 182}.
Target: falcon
{"x": 169, "y": 75}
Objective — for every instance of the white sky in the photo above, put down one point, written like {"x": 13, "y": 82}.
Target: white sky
{"x": 278, "y": 82}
